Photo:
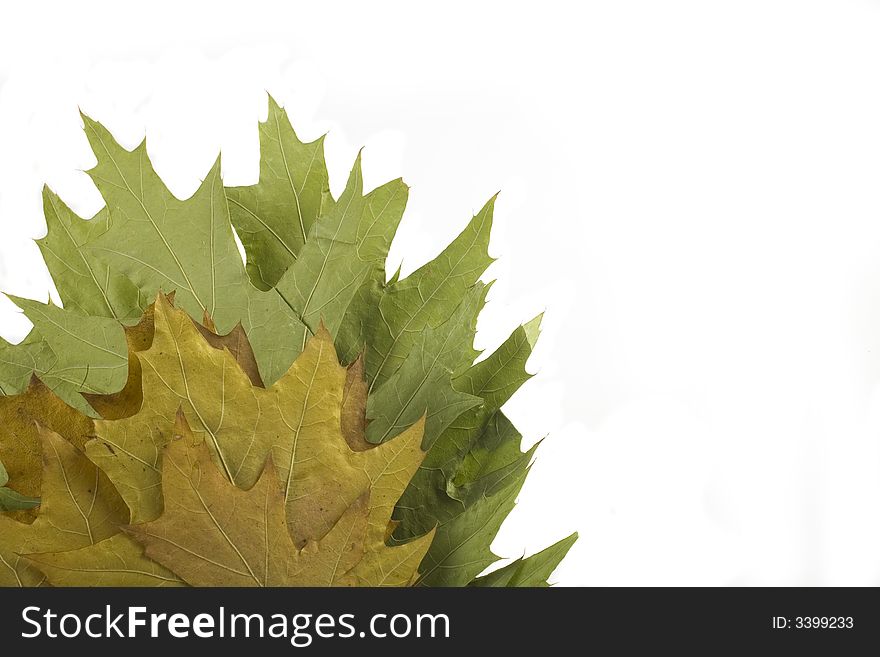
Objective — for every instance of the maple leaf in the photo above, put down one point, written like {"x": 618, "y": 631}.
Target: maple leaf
{"x": 180, "y": 368}
{"x": 115, "y": 561}
{"x": 73, "y": 538}
{"x": 477, "y": 449}
{"x": 161, "y": 242}
{"x": 533, "y": 571}
{"x": 213, "y": 533}
{"x": 84, "y": 284}
{"x": 391, "y": 319}
{"x": 274, "y": 217}
{"x": 406, "y": 325}
{"x": 71, "y": 353}
{"x": 297, "y": 422}
{"x": 22, "y": 419}
{"x": 424, "y": 380}
{"x": 343, "y": 248}
{"x": 19, "y": 362}
{"x": 90, "y": 352}
{"x": 79, "y": 508}
{"x": 461, "y": 549}
{"x": 474, "y": 470}
{"x": 73, "y": 350}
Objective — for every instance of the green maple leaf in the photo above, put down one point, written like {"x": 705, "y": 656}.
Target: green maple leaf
{"x": 343, "y": 248}
{"x": 533, "y": 571}
{"x": 18, "y": 362}
{"x": 423, "y": 383}
{"x": 162, "y": 241}
{"x": 474, "y": 470}
{"x": 72, "y": 349}
{"x": 85, "y": 284}
{"x": 461, "y": 549}
{"x": 70, "y": 352}
{"x": 274, "y": 217}
{"x": 396, "y": 326}
{"x": 186, "y": 246}
{"x": 480, "y": 451}
{"x": 389, "y": 322}
{"x": 90, "y": 352}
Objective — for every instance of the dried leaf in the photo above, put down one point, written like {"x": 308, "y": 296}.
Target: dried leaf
{"x": 84, "y": 284}
{"x": 90, "y": 352}
{"x": 160, "y": 242}
{"x": 213, "y": 533}
{"x": 354, "y": 407}
{"x": 79, "y": 508}
{"x": 423, "y": 384}
{"x": 343, "y": 248}
{"x": 21, "y": 419}
{"x": 297, "y": 422}
{"x": 254, "y": 371}
{"x": 115, "y": 561}
{"x": 533, "y": 571}
{"x": 274, "y": 217}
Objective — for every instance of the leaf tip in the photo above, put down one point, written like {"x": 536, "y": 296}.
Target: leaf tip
{"x": 532, "y": 329}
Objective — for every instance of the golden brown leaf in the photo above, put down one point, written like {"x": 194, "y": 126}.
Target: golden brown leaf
{"x": 297, "y": 421}
{"x": 20, "y": 442}
{"x": 115, "y": 561}
{"x": 79, "y": 508}
{"x": 212, "y": 533}
{"x": 354, "y": 407}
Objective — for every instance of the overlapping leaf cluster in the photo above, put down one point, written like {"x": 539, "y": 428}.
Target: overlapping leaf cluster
{"x": 212, "y": 437}
{"x": 197, "y": 475}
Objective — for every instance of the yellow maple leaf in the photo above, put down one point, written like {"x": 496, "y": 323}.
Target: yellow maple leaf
{"x": 212, "y": 533}
{"x": 297, "y": 422}
{"x": 79, "y": 508}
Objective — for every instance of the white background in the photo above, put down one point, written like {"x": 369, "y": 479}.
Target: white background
{"x": 690, "y": 189}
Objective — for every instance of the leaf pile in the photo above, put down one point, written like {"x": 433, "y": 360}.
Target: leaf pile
{"x": 189, "y": 418}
